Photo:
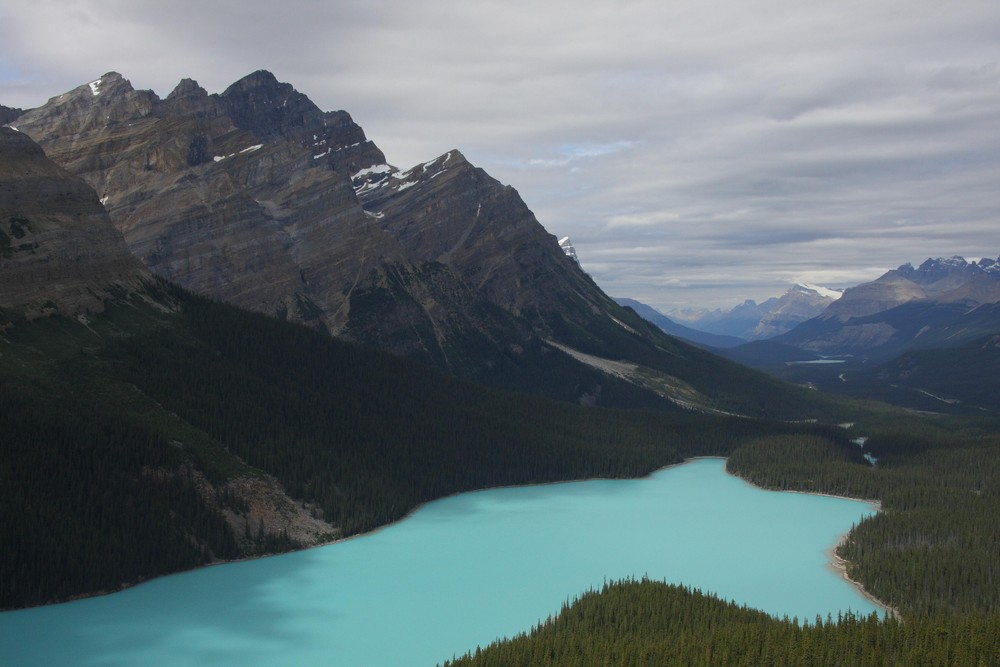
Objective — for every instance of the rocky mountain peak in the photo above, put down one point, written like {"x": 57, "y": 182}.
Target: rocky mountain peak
{"x": 191, "y": 100}
{"x": 100, "y": 105}
{"x": 990, "y": 266}
{"x": 188, "y": 88}
{"x": 9, "y": 114}
{"x": 939, "y": 279}
{"x": 256, "y": 197}
{"x": 263, "y": 105}
{"x": 273, "y": 110}
{"x": 799, "y": 303}
{"x": 933, "y": 270}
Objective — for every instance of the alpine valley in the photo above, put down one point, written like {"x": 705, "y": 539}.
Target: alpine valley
{"x": 129, "y": 382}
{"x": 924, "y": 337}
{"x": 230, "y": 327}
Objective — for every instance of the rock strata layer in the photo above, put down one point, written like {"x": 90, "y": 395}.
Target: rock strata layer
{"x": 58, "y": 249}
{"x": 257, "y": 197}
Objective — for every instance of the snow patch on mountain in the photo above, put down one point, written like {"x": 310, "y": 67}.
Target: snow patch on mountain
{"x": 568, "y": 249}
{"x": 374, "y": 169}
{"x": 822, "y": 291}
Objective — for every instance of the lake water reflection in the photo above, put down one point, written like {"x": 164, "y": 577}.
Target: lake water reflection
{"x": 463, "y": 571}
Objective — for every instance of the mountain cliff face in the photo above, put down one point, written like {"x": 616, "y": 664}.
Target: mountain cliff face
{"x": 248, "y": 197}
{"x": 207, "y": 202}
{"x": 58, "y": 249}
{"x": 256, "y": 197}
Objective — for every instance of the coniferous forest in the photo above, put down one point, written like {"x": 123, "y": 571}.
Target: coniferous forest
{"x": 123, "y": 431}
{"x": 930, "y": 554}
{"x": 645, "y": 623}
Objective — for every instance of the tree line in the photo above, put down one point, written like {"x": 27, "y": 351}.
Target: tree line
{"x": 643, "y": 623}
{"x": 117, "y": 430}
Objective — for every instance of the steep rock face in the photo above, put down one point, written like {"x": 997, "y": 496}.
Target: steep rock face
{"x": 449, "y": 212}
{"x": 257, "y": 197}
{"x": 260, "y": 220}
{"x": 58, "y": 249}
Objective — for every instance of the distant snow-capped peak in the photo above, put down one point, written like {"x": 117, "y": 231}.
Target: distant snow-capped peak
{"x": 822, "y": 291}
{"x": 567, "y": 247}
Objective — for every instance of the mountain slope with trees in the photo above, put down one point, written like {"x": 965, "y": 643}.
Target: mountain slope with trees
{"x": 256, "y": 197}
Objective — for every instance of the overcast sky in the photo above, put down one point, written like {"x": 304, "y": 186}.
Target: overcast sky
{"x": 698, "y": 153}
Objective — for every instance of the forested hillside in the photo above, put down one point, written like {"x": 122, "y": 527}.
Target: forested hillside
{"x": 640, "y": 623}
{"x": 930, "y": 553}
{"x": 131, "y": 439}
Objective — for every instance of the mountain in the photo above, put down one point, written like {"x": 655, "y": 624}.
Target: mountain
{"x": 916, "y": 337}
{"x": 941, "y": 303}
{"x": 752, "y": 321}
{"x": 941, "y": 280}
{"x": 9, "y": 115}
{"x": 939, "y": 380}
{"x": 258, "y": 198}
{"x": 738, "y": 322}
{"x": 800, "y": 303}
{"x": 58, "y": 250}
{"x": 674, "y": 329}
{"x": 147, "y": 430}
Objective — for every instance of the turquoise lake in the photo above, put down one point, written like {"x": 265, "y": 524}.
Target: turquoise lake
{"x": 461, "y": 572}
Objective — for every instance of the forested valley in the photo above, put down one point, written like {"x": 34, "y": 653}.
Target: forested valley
{"x": 125, "y": 432}
{"x": 122, "y": 433}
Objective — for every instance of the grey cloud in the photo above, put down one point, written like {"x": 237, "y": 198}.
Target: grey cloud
{"x": 701, "y": 153}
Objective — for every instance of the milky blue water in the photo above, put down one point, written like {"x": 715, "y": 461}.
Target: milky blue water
{"x": 461, "y": 572}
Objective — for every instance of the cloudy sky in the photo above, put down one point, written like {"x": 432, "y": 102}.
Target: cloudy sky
{"x": 698, "y": 153}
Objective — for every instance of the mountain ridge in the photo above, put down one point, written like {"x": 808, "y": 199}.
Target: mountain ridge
{"x": 256, "y": 197}
{"x": 751, "y": 321}
{"x": 906, "y": 308}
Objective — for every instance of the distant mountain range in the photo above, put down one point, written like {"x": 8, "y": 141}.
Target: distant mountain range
{"x": 865, "y": 340}
{"x": 745, "y": 322}
{"x": 941, "y": 303}
{"x": 673, "y": 328}
{"x": 914, "y": 336}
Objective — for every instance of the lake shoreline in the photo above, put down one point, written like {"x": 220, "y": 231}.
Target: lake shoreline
{"x": 839, "y": 565}
{"x": 835, "y": 563}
